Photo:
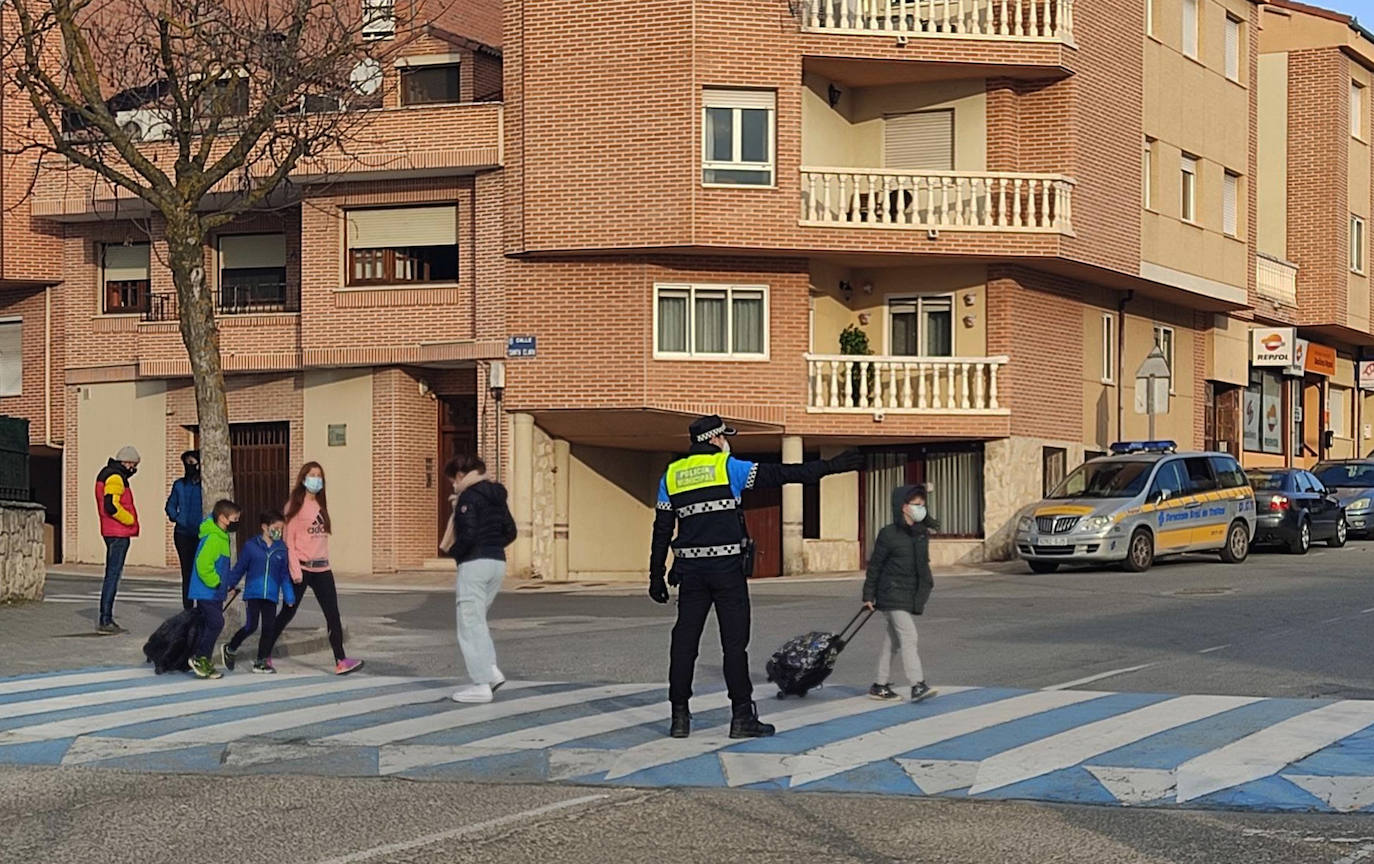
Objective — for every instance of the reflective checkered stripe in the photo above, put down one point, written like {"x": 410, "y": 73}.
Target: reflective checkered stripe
{"x": 708, "y": 551}
{"x": 706, "y": 507}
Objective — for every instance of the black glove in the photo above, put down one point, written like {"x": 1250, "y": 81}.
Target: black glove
{"x": 849, "y": 460}
{"x": 658, "y": 589}
{"x": 674, "y": 579}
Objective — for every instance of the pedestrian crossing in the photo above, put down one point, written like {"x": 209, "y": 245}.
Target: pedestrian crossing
{"x": 1082, "y": 746}
{"x": 169, "y": 597}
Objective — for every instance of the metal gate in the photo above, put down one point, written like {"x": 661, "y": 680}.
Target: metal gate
{"x": 260, "y": 459}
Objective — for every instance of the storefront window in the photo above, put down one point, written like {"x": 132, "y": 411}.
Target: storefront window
{"x": 1263, "y": 412}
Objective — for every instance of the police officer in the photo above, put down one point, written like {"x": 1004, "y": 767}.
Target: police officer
{"x": 712, "y": 558}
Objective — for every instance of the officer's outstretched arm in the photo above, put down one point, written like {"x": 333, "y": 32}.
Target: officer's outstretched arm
{"x": 767, "y": 476}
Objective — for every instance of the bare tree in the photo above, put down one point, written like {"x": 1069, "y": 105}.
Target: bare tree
{"x": 233, "y": 95}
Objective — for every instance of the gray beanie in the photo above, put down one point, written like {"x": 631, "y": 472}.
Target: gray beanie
{"x": 127, "y": 453}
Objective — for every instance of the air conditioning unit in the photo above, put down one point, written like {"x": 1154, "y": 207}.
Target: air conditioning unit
{"x": 144, "y": 124}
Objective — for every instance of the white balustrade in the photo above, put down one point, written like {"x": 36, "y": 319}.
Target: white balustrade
{"x": 1276, "y": 279}
{"x": 938, "y": 200}
{"x": 1020, "y": 20}
{"x": 903, "y": 385}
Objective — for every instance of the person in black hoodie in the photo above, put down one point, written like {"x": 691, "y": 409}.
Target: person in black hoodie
{"x": 898, "y": 585}
{"x": 477, "y": 536}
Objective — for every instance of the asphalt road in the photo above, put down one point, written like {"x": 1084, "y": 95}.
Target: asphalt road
{"x": 1275, "y": 626}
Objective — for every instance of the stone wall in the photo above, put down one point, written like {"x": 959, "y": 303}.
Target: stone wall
{"x": 22, "y": 551}
{"x": 1013, "y": 479}
{"x": 541, "y": 564}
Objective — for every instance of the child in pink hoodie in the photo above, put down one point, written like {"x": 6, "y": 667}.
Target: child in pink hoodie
{"x": 307, "y": 548}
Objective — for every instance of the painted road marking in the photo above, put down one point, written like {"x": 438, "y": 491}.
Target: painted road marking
{"x": 401, "y": 730}
{"x": 177, "y": 687}
{"x": 1079, "y": 682}
{"x": 69, "y": 679}
{"x": 743, "y": 769}
{"x": 1269, "y": 750}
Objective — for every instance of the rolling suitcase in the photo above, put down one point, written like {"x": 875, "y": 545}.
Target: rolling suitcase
{"x": 805, "y": 662}
{"x": 172, "y": 642}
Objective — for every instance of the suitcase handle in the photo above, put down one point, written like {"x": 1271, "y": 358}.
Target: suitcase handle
{"x": 842, "y": 640}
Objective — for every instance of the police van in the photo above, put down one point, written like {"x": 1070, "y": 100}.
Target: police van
{"x": 1144, "y": 501}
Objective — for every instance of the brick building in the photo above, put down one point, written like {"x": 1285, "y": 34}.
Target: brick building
{"x": 675, "y": 207}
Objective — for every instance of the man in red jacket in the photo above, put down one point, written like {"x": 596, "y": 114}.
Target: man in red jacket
{"x": 114, "y": 501}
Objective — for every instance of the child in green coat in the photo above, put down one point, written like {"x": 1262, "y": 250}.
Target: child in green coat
{"x": 211, "y": 581}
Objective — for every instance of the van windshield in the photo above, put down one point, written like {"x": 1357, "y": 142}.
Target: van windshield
{"x": 1109, "y": 478}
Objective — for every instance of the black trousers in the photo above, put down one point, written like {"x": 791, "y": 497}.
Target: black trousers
{"x": 322, "y": 583}
{"x": 186, "y": 553}
{"x": 728, "y": 592}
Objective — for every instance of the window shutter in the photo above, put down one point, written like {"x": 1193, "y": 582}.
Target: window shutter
{"x": 1228, "y": 203}
{"x": 238, "y": 251}
{"x": 1232, "y": 48}
{"x": 920, "y": 141}
{"x": 11, "y": 358}
{"x": 126, "y": 263}
{"x": 1190, "y": 27}
{"x": 765, "y": 99}
{"x": 402, "y": 226}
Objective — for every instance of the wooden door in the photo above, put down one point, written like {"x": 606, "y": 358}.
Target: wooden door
{"x": 260, "y": 458}
{"x": 763, "y": 518}
{"x": 457, "y": 436}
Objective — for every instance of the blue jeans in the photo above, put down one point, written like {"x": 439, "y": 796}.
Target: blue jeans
{"x": 116, "y": 550}
{"x": 211, "y": 623}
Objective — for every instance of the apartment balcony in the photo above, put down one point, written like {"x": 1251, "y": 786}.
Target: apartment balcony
{"x": 937, "y": 200}
{"x": 1276, "y": 280}
{"x": 878, "y": 385}
{"x": 992, "y": 20}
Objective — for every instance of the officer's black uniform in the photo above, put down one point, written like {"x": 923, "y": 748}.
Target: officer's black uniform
{"x": 699, "y": 496}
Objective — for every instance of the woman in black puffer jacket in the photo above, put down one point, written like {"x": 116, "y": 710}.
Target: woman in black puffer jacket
{"x": 899, "y": 583}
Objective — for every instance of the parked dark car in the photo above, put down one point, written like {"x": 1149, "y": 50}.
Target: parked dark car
{"x": 1293, "y": 508}
{"x": 1352, "y": 481}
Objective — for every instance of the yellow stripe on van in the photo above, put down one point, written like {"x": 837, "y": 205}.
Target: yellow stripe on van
{"x": 1064, "y": 510}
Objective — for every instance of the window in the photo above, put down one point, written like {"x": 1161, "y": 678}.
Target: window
{"x": 402, "y": 245}
{"x": 1357, "y": 109}
{"x": 252, "y": 272}
{"x": 1356, "y": 244}
{"x": 11, "y": 357}
{"x": 1230, "y": 191}
{"x": 1055, "y": 462}
{"x": 124, "y": 277}
{"x": 1228, "y": 472}
{"x": 1233, "y": 31}
{"x": 922, "y": 326}
{"x": 1262, "y": 412}
{"x": 312, "y": 103}
{"x": 226, "y": 96}
{"x": 922, "y": 141}
{"x": 954, "y": 479}
{"x": 1164, "y": 338}
{"x": 1170, "y": 481}
{"x": 1147, "y": 174}
{"x": 710, "y": 320}
{"x": 1188, "y": 188}
{"x": 1190, "y": 28}
{"x": 1108, "y": 348}
{"x": 737, "y": 137}
{"x": 1200, "y": 477}
{"x": 379, "y": 19}
{"x": 429, "y": 84}
{"x": 1149, "y": 17}
{"x": 1337, "y": 398}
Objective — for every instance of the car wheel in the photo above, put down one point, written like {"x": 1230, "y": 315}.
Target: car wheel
{"x": 1342, "y": 534}
{"x": 1043, "y": 566}
{"x": 1140, "y": 552}
{"x": 1302, "y": 541}
{"x": 1237, "y": 547}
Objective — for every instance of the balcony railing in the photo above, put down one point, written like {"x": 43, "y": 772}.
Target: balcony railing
{"x": 233, "y": 300}
{"x": 1276, "y": 279}
{"x": 1021, "y": 20}
{"x": 940, "y": 200}
{"x": 848, "y": 384}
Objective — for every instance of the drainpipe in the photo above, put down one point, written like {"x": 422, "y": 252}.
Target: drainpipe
{"x": 1121, "y": 364}
{"x": 47, "y": 369}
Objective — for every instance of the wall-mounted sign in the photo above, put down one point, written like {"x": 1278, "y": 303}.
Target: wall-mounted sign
{"x": 1366, "y": 374}
{"x": 1319, "y": 360}
{"x": 1272, "y": 346}
{"x": 338, "y": 434}
{"x": 521, "y": 346}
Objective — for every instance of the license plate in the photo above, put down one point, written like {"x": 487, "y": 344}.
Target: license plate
{"x": 1053, "y": 541}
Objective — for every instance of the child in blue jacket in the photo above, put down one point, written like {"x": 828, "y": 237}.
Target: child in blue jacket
{"x": 263, "y": 567}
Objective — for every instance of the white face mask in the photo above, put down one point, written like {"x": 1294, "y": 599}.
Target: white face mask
{"x": 724, "y": 446}
{"x": 916, "y": 513}
{"x": 313, "y": 484}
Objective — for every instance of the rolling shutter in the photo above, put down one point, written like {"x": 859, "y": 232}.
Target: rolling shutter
{"x": 126, "y": 263}
{"x": 1228, "y": 203}
{"x": 11, "y": 358}
{"x": 397, "y": 227}
{"x": 241, "y": 251}
{"x": 923, "y": 141}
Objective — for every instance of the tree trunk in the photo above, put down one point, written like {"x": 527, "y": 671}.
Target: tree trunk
{"x": 196, "y": 310}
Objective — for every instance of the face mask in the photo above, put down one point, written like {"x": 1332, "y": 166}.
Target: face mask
{"x": 916, "y": 512}
{"x": 725, "y": 446}
{"x": 232, "y": 527}
{"x": 275, "y": 534}
{"x": 132, "y": 470}
{"x": 192, "y": 469}
{"x": 314, "y": 484}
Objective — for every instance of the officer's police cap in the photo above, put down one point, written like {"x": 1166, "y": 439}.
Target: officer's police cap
{"x": 703, "y": 429}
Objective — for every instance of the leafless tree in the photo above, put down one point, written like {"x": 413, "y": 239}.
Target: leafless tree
{"x": 231, "y": 96}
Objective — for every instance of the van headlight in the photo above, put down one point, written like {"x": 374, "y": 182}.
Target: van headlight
{"x": 1094, "y": 524}
{"x": 1024, "y": 524}
{"x": 1359, "y": 504}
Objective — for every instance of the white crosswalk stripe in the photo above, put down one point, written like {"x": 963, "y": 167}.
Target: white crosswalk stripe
{"x": 1054, "y": 745}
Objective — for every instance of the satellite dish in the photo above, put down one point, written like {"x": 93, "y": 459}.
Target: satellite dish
{"x": 366, "y": 77}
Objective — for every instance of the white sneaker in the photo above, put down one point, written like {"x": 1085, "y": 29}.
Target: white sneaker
{"x": 498, "y": 678}
{"x": 473, "y": 693}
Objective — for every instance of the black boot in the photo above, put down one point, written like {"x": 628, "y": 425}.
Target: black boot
{"x": 745, "y": 723}
{"x": 682, "y": 722}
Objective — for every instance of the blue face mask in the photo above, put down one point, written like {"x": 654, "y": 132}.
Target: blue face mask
{"x": 314, "y": 484}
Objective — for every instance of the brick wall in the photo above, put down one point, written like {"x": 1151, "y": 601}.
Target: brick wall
{"x": 31, "y": 305}
{"x": 1318, "y": 130}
